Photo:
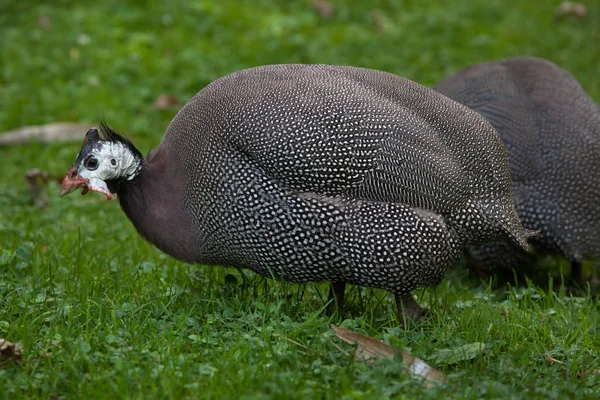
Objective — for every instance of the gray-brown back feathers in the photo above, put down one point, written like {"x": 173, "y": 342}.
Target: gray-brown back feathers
{"x": 551, "y": 129}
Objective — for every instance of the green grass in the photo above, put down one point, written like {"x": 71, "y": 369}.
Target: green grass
{"x": 102, "y": 314}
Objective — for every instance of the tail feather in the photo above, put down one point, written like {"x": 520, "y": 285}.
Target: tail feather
{"x": 512, "y": 226}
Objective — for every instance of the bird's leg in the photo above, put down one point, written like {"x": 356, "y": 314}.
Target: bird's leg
{"x": 337, "y": 290}
{"x": 576, "y": 273}
{"x": 408, "y": 309}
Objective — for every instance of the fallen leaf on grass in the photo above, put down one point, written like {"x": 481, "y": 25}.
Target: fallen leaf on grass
{"x": 9, "y": 351}
{"x": 570, "y": 8}
{"x": 36, "y": 178}
{"x": 165, "y": 101}
{"x": 44, "y": 22}
{"x": 587, "y": 372}
{"x": 369, "y": 348}
{"x": 54, "y": 132}
{"x": 551, "y": 359}
{"x": 324, "y": 8}
{"x": 380, "y": 21}
{"x": 462, "y": 353}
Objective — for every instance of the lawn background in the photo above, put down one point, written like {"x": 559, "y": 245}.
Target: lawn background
{"x": 102, "y": 314}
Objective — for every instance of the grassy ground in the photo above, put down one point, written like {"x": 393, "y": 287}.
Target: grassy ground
{"x": 102, "y": 314}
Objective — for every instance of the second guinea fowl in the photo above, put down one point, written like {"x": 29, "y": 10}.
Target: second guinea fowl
{"x": 551, "y": 129}
{"x": 314, "y": 173}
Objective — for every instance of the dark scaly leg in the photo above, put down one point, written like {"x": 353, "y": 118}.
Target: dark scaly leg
{"x": 408, "y": 309}
{"x": 576, "y": 272}
{"x": 337, "y": 290}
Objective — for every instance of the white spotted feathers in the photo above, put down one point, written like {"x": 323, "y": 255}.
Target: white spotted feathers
{"x": 320, "y": 173}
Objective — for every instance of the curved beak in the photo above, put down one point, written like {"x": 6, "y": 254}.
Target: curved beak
{"x": 73, "y": 181}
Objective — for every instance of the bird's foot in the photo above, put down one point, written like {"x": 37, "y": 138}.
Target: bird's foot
{"x": 409, "y": 309}
{"x": 337, "y": 290}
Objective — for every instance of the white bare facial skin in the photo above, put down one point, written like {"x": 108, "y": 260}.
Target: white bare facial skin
{"x": 115, "y": 161}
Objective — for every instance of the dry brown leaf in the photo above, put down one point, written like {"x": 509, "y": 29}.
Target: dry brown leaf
{"x": 551, "y": 359}
{"x": 54, "y": 132}
{"x": 44, "y": 22}
{"x": 380, "y": 21}
{"x": 165, "y": 101}
{"x": 324, "y": 8}
{"x": 571, "y": 8}
{"x": 369, "y": 348}
{"x": 586, "y": 372}
{"x": 37, "y": 179}
{"x": 74, "y": 53}
{"x": 9, "y": 351}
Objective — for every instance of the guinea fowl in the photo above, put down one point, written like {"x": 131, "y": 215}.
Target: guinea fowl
{"x": 312, "y": 173}
{"x": 551, "y": 129}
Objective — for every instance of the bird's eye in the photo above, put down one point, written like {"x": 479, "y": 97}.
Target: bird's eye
{"x": 91, "y": 163}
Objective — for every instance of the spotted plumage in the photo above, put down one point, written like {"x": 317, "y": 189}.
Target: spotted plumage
{"x": 551, "y": 129}
{"x": 319, "y": 173}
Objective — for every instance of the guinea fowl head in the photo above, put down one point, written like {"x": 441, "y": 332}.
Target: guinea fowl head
{"x": 106, "y": 159}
